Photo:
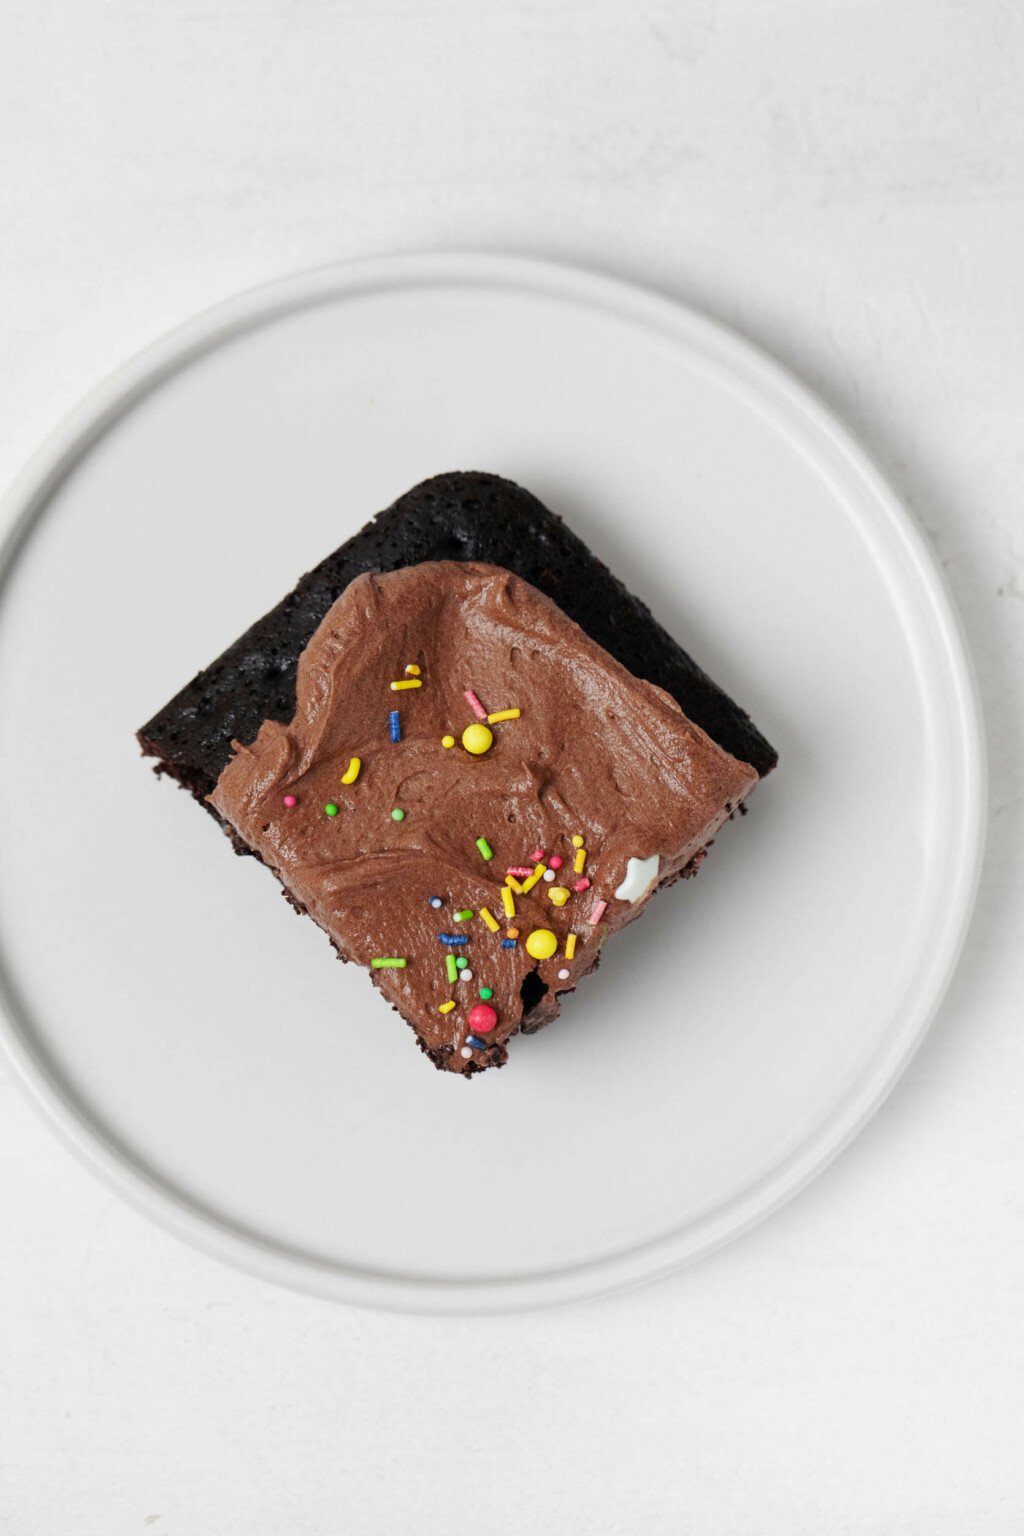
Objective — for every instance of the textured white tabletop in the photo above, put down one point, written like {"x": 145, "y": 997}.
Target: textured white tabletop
{"x": 843, "y": 182}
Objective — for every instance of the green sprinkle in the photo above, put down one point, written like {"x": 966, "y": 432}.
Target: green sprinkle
{"x": 451, "y": 968}
{"x": 397, "y": 814}
{"x": 463, "y": 916}
{"x": 486, "y": 993}
{"x": 331, "y": 808}
{"x": 461, "y": 962}
{"x": 387, "y": 963}
{"x": 485, "y": 847}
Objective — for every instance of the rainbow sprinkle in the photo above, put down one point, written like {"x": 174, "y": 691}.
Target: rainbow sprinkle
{"x": 474, "y": 704}
{"x": 352, "y": 771}
{"x": 451, "y": 969}
{"x": 410, "y": 682}
{"x": 412, "y": 669}
{"x": 570, "y": 946}
{"x": 522, "y": 870}
{"x": 579, "y": 861}
{"x": 503, "y": 714}
{"x": 453, "y": 938}
{"x": 388, "y": 963}
{"x": 513, "y": 884}
{"x": 596, "y": 915}
{"x": 581, "y": 885}
{"x": 464, "y": 916}
{"x": 508, "y": 902}
{"x": 476, "y": 1043}
{"x": 508, "y": 943}
{"x": 485, "y": 848}
{"x": 490, "y": 920}
{"x": 445, "y": 1007}
{"x": 395, "y": 725}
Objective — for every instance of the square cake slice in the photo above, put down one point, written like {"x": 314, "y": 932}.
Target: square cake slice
{"x": 471, "y": 796}
{"x": 457, "y": 516}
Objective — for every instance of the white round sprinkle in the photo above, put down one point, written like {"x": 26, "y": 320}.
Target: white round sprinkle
{"x": 465, "y": 1053}
{"x": 466, "y": 975}
{"x": 549, "y": 874}
{"x": 435, "y": 901}
{"x": 563, "y": 974}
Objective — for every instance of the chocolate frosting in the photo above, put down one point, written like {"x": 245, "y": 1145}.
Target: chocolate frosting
{"x": 595, "y": 753}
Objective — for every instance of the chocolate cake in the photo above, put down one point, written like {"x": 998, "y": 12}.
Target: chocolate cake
{"x": 469, "y": 753}
{"x": 473, "y": 847}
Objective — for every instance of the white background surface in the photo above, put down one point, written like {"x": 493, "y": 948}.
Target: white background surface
{"x": 843, "y": 182}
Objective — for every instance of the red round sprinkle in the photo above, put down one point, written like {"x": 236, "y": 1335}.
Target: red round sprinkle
{"x": 554, "y": 862}
{"x": 482, "y": 1019}
{"x": 290, "y": 800}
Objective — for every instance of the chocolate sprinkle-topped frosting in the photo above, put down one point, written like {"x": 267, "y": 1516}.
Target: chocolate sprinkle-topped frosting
{"x": 599, "y": 769}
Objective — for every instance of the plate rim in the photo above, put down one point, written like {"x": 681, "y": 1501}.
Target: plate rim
{"x": 24, "y": 504}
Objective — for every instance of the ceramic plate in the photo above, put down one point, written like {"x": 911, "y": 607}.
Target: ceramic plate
{"x": 203, "y": 1049}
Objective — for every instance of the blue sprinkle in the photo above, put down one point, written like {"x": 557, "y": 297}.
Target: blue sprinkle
{"x": 475, "y": 1043}
{"x": 434, "y": 901}
{"x": 508, "y": 943}
{"x": 396, "y": 725}
{"x": 453, "y": 938}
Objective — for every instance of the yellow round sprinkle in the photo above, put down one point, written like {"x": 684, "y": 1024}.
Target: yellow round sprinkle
{"x": 476, "y": 739}
{"x": 558, "y": 895}
{"x": 577, "y": 841}
{"x": 447, "y": 741}
{"x": 541, "y": 943}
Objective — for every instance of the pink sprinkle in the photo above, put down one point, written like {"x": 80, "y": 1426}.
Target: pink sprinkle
{"x": 582, "y": 885}
{"x": 474, "y": 704}
{"x": 520, "y": 871}
{"x": 290, "y": 800}
{"x": 555, "y": 862}
{"x": 598, "y": 913}
{"x": 537, "y": 855}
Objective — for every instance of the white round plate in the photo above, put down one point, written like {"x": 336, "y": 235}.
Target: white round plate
{"x": 203, "y": 1049}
